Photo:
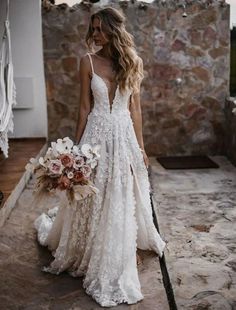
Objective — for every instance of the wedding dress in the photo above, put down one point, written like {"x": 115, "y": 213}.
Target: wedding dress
{"x": 98, "y": 237}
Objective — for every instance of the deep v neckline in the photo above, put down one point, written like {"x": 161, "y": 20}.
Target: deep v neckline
{"x": 108, "y": 98}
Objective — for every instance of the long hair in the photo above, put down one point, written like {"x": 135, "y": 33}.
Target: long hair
{"x": 121, "y": 47}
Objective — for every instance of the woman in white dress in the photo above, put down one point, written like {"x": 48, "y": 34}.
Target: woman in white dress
{"x": 98, "y": 238}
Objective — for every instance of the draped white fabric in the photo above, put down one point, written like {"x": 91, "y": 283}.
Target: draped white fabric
{"x": 7, "y": 87}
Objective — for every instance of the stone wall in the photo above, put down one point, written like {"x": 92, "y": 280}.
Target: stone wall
{"x": 186, "y": 62}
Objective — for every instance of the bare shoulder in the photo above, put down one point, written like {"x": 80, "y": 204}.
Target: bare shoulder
{"x": 84, "y": 61}
{"x": 85, "y": 66}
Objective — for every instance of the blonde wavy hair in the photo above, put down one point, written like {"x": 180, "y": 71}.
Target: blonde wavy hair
{"x": 121, "y": 47}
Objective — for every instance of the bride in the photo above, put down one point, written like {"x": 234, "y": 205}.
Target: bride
{"x": 97, "y": 238}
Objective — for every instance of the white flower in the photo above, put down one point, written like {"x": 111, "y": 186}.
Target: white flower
{"x": 75, "y": 150}
{"x": 70, "y": 174}
{"x": 63, "y": 146}
{"x": 87, "y": 150}
{"x": 52, "y": 151}
{"x": 90, "y": 151}
{"x": 31, "y": 165}
{"x": 234, "y": 111}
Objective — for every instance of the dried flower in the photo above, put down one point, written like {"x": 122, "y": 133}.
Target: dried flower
{"x": 64, "y": 182}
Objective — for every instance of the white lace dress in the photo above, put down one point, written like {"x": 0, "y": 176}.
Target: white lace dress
{"x": 98, "y": 238}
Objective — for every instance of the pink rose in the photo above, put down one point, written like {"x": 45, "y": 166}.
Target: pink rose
{"x": 55, "y": 166}
{"x": 79, "y": 161}
{"x": 67, "y": 160}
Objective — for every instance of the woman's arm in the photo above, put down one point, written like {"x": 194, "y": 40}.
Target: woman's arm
{"x": 136, "y": 115}
{"x": 85, "y": 97}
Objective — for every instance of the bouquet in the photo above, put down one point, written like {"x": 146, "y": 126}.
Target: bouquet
{"x": 67, "y": 168}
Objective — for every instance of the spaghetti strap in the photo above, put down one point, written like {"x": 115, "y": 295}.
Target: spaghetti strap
{"x": 91, "y": 62}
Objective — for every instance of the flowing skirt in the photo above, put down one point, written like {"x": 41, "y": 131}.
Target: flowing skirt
{"x": 98, "y": 237}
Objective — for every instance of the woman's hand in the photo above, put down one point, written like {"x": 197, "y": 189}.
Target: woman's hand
{"x": 145, "y": 159}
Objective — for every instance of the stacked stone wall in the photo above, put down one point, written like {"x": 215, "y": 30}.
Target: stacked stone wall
{"x": 186, "y": 62}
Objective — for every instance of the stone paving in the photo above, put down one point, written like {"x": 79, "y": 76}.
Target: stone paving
{"x": 24, "y": 286}
{"x": 196, "y": 214}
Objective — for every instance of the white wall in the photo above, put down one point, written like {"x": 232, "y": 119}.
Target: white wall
{"x": 30, "y": 115}
{"x": 232, "y": 12}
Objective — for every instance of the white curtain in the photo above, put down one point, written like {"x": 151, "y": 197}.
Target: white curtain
{"x": 7, "y": 87}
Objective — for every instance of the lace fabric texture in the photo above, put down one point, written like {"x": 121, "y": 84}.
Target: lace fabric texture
{"x": 97, "y": 238}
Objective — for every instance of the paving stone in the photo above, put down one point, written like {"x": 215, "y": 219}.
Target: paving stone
{"x": 197, "y": 216}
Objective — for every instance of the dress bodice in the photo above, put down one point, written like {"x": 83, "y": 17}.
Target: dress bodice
{"x": 101, "y": 95}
